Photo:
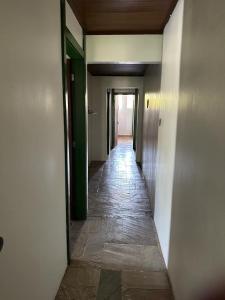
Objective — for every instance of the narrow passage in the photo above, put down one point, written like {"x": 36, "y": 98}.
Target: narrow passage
{"x": 115, "y": 253}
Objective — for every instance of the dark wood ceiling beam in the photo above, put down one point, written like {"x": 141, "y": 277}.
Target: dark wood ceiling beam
{"x": 123, "y": 32}
{"x": 124, "y": 7}
{"x": 117, "y": 69}
{"x": 123, "y": 17}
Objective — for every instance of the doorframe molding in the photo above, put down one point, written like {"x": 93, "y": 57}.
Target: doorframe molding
{"x": 135, "y": 119}
{"x": 113, "y": 100}
{"x": 135, "y": 93}
{"x": 69, "y": 46}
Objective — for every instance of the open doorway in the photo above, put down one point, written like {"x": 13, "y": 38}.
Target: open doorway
{"x": 124, "y": 118}
{"x": 122, "y": 109}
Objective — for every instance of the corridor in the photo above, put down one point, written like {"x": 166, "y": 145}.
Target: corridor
{"x": 115, "y": 253}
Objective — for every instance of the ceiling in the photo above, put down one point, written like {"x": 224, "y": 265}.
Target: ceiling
{"x": 117, "y": 69}
{"x": 123, "y": 16}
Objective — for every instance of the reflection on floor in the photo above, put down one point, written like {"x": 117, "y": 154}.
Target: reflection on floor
{"x": 115, "y": 252}
{"x": 125, "y": 139}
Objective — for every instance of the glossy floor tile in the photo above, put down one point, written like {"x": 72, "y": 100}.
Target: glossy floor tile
{"x": 115, "y": 253}
{"x": 109, "y": 285}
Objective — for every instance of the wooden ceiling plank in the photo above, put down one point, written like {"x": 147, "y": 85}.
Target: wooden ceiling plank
{"x": 126, "y": 17}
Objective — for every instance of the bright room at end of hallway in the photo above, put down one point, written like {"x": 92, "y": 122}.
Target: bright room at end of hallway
{"x": 125, "y": 118}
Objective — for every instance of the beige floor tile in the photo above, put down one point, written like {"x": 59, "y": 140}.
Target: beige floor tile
{"x": 120, "y": 257}
{"x": 79, "y": 245}
{"x": 110, "y": 285}
{"x": 141, "y": 294}
{"x": 82, "y": 276}
{"x": 152, "y": 259}
{"x": 79, "y": 283}
{"x": 145, "y": 280}
{"x": 84, "y": 263}
{"x": 77, "y": 293}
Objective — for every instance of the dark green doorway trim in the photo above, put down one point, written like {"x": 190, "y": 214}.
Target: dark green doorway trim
{"x": 135, "y": 117}
{"x": 113, "y": 111}
{"x": 108, "y": 121}
{"x": 75, "y": 208}
{"x": 72, "y": 44}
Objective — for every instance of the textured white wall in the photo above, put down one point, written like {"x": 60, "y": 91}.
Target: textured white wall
{"x": 32, "y": 193}
{"x": 123, "y": 48}
{"x": 152, "y": 86}
{"x": 97, "y": 87}
{"x": 73, "y": 25}
{"x": 172, "y": 40}
{"x": 197, "y": 247}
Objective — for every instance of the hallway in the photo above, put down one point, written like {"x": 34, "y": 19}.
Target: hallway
{"x": 115, "y": 253}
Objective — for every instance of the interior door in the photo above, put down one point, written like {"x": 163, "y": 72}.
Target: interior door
{"x": 79, "y": 130}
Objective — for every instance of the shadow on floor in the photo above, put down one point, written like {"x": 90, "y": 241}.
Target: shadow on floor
{"x": 94, "y": 168}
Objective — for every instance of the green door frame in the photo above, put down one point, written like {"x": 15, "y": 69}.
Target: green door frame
{"x": 113, "y": 119}
{"x": 135, "y": 117}
{"x": 77, "y": 209}
{"x": 108, "y": 98}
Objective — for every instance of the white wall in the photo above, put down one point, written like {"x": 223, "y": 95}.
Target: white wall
{"x": 123, "y": 48}
{"x": 73, "y": 25}
{"x": 97, "y": 87}
{"x": 125, "y": 115}
{"x": 152, "y": 86}
{"x": 32, "y": 193}
{"x": 197, "y": 246}
{"x": 167, "y": 131}
{"x": 117, "y": 49}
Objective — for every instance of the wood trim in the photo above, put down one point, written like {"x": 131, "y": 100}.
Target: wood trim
{"x": 123, "y": 32}
{"x": 107, "y": 17}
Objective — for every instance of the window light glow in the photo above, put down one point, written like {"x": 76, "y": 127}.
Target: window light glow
{"x": 130, "y": 101}
{"x": 120, "y": 100}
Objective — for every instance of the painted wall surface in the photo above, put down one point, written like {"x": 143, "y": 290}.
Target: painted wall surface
{"x": 124, "y": 48}
{"x": 32, "y": 193}
{"x": 125, "y": 114}
{"x": 172, "y": 40}
{"x": 73, "y": 25}
{"x": 152, "y": 83}
{"x": 197, "y": 247}
{"x": 97, "y": 87}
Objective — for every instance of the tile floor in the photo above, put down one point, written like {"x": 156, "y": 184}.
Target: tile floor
{"x": 115, "y": 253}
